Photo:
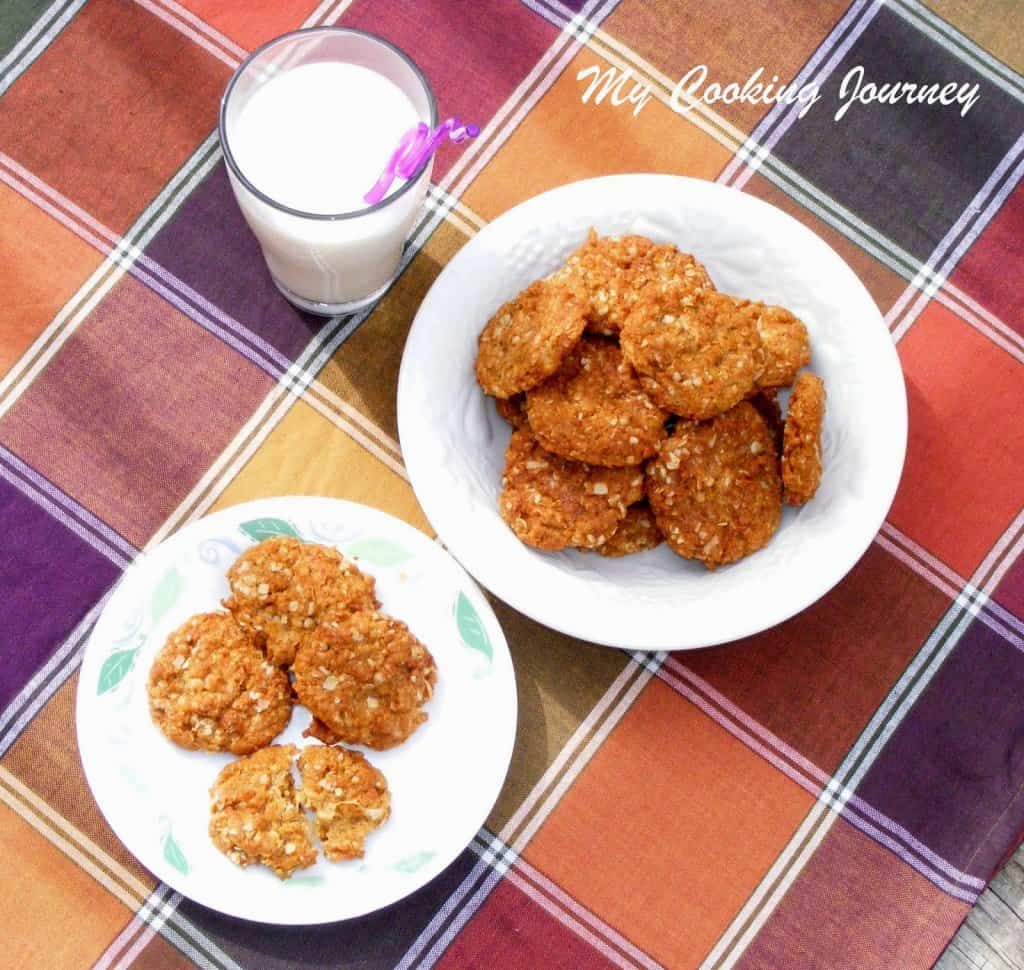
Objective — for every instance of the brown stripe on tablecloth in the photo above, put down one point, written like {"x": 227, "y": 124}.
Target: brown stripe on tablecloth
{"x": 731, "y": 39}
{"x": 364, "y": 371}
{"x": 306, "y": 454}
{"x": 987, "y": 24}
{"x": 45, "y": 757}
{"x": 884, "y": 285}
{"x": 158, "y": 954}
{"x": 559, "y": 680}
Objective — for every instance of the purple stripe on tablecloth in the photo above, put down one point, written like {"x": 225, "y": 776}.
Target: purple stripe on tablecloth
{"x": 133, "y": 410}
{"x": 475, "y": 54}
{"x": 952, "y": 771}
{"x": 1010, "y": 591}
{"x": 64, "y": 508}
{"x": 930, "y": 179}
{"x": 50, "y": 578}
{"x": 209, "y": 247}
{"x": 854, "y": 905}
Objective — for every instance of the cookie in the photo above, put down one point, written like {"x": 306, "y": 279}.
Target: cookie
{"x": 801, "y": 441}
{"x": 212, "y": 689}
{"x": 666, "y": 269}
{"x": 592, "y": 409}
{"x": 366, "y": 677}
{"x": 348, "y": 797}
{"x": 715, "y": 487}
{"x": 325, "y": 735}
{"x": 695, "y": 358}
{"x": 551, "y": 502}
{"x": 603, "y": 266}
{"x": 513, "y": 410}
{"x": 280, "y": 587}
{"x": 615, "y": 269}
{"x": 527, "y": 339}
{"x": 255, "y": 815}
{"x": 786, "y": 345}
{"x": 637, "y": 532}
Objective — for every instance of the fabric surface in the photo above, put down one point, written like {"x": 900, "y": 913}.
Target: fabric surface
{"x": 834, "y": 792}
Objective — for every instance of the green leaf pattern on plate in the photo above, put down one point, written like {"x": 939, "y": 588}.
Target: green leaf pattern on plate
{"x": 173, "y": 854}
{"x": 311, "y": 879}
{"x": 266, "y": 528}
{"x": 165, "y": 594}
{"x": 378, "y": 552}
{"x": 413, "y": 863}
{"x": 471, "y": 628}
{"x": 115, "y": 668}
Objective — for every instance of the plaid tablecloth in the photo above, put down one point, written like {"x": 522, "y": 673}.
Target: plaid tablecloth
{"x": 832, "y": 793}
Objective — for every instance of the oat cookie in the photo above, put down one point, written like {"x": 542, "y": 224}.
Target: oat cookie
{"x": 694, "y": 359}
{"x": 255, "y": 816}
{"x": 786, "y": 345}
{"x": 635, "y": 533}
{"x": 551, "y": 502}
{"x": 603, "y": 266}
{"x": 666, "y": 269}
{"x": 212, "y": 689}
{"x": 366, "y": 677}
{"x": 801, "y": 446}
{"x": 280, "y": 587}
{"x": 715, "y": 487}
{"x": 592, "y": 409}
{"x": 325, "y": 735}
{"x": 526, "y": 340}
{"x": 614, "y": 269}
{"x": 513, "y": 410}
{"x": 348, "y": 796}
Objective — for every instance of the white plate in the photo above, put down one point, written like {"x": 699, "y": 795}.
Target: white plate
{"x": 444, "y": 779}
{"x": 453, "y": 441}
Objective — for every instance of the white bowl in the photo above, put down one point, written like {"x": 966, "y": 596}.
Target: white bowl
{"x": 454, "y": 441}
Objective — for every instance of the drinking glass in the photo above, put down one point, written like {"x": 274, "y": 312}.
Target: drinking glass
{"x": 335, "y": 263}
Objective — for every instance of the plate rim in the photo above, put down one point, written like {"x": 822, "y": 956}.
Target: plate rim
{"x": 491, "y": 579}
{"x": 426, "y": 875}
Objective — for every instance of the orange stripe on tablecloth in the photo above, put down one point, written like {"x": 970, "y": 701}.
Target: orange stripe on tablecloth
{"x": 252, "y": 24}
{"x": 562, "y": 140}
{"x": 118, "y": 73}
{"x": 669, "y": 828}
{"x": 730, "y": 38}
{"x": 73, "y": 843}
{"x": 59, "y": 916}
{"x": 43, "y": 266}
{"x": 965, "y": 396}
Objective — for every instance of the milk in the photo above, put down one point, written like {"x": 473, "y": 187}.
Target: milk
{"x": 315, "y": 138}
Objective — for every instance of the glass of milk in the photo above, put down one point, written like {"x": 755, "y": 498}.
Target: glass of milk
{"x": 307, "y": 124}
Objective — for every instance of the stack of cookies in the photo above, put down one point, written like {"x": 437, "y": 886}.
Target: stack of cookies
{"x": 302, "y": 622}
{"x": 643, "y": 403}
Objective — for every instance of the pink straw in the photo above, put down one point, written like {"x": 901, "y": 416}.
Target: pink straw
{"x": 416, "y": 146}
